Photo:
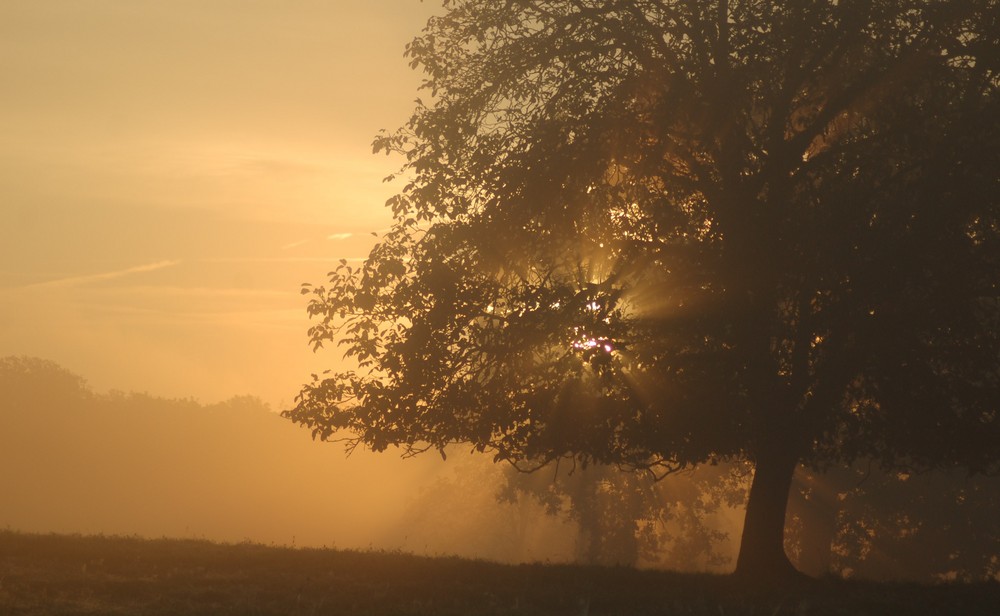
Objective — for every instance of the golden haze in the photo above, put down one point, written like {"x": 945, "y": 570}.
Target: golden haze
{"x": 171, "y": 172}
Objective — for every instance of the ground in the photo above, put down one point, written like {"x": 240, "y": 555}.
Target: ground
{"x": 52, "y": 574}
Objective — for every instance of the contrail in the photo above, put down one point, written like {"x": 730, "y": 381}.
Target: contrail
{"x": 78, "y": 280}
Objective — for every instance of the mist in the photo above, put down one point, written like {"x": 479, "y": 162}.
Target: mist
{"x": 125, "y": 463}
{"x": 76, "y": 461}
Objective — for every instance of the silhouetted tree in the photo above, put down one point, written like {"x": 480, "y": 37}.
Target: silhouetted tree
{"x": 658, "y": 233}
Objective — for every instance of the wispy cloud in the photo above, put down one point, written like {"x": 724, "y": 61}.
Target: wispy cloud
{"x": 278, "y": 259}
{"x": 73, "y": 281}
{"x": 291, "y": 245}
{"x": 339, "y": 236}
{"x": 207, "y": 292}
{"x": 227, "y": 317}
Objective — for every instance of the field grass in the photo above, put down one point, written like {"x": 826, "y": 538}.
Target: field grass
{"x": 53, "y": 574}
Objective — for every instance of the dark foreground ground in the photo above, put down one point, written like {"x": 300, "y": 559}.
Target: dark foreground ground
{"x": 51, "y": 574}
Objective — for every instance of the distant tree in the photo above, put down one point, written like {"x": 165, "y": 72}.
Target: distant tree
{"x": 459, "y": 513}
{"x": 630, "y": 519}
{"x": 659, "y": 233}
{"x": 40, "y": 384}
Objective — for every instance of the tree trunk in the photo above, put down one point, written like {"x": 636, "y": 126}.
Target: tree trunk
{"x": 762, "y": 548}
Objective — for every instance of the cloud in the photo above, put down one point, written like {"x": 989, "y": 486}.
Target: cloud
{"x": 209, "y": 292}
{"x": 279, "y": 259}
{"x": 73, "y": 281}
{"x": 291, "y": 245}
{"x": 279, "y": 167}
{"x": 339, "y": 236}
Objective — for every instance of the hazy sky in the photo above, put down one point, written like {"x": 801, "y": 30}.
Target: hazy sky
{"x": 171, "y": 171}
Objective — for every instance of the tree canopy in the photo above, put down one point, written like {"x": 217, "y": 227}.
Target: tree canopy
{"x": 659, "y": 233}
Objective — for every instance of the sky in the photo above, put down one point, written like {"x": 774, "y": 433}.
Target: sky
{"x": 171, "y": 172}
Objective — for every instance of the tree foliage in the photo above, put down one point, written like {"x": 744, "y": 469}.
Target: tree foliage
{"x": 655, "y": 233}
{"x": 868, "y": 523}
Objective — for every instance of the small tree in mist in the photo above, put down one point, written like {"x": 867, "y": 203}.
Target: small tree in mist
{"x": 656, "y": 234}
{"x": 630, "y": 519}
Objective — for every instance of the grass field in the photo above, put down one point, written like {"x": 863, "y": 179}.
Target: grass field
{"x": 53, "y": 574}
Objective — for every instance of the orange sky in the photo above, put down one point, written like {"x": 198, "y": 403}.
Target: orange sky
{"x": 170, "y": 172}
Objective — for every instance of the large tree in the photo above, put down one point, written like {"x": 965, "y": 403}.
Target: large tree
{"x": 660, "y": 233}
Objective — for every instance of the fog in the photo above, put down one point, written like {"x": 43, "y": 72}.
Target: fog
{"x": 78, "y": 461}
